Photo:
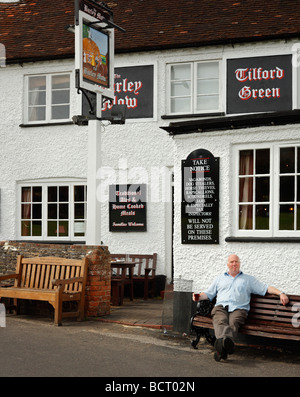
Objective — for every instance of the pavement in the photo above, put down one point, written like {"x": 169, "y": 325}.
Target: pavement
{"x": 33, "y": 346}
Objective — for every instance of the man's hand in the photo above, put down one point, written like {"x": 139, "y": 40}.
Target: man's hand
{"x": 284, "y": 299}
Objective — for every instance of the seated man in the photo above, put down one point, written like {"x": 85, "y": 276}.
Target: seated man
{"x": 233, "y": 290}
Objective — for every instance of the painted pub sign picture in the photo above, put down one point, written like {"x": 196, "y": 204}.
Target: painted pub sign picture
{"x": 259, "y": 84}
{"x": 200, "y": 198}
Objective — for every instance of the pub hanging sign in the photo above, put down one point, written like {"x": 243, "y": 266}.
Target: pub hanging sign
{"x": 259, "y": 84}
{"x": 127, "y": 208}
{"x": 200, "y": 198}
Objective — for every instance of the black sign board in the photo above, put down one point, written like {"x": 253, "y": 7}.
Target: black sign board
{"x": 259, "y": 84}
{"x": 200, "y": 198}
{"x": 133, "y": 89}
{"x": 127, "y": 208}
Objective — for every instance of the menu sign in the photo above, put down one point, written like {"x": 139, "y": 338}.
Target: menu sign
{"x": 259, "y": 84}
{"x": 200, "y": 198}
{"x": 127, "y": 208}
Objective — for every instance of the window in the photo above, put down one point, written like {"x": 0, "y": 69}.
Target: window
{"x": 47, "y": 98}
{"x": 194, "y": 87}
{"x": 51, "y": 211}
{"x": 268, "y": 191}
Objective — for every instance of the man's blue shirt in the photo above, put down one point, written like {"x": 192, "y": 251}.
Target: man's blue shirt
{"x": 235, "y": 292}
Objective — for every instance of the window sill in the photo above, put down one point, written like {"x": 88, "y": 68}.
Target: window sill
{"x": 189, "y": 115}
{"x": 46, "y": 124}
{"x": 262, "y": 239}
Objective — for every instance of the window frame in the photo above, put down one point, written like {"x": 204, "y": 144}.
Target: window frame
{"x": 48, "y": 98}
{"x": 274, "y": 191}
{"x": 71, "y": 210}
{"x": 194, "y": 88}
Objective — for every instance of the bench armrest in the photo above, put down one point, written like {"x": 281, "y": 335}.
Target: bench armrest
{"x": 68, "y": 281}
{"x": 8, "y": 276}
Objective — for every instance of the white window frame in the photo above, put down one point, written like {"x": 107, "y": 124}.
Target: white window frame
{"x": 193, "y": 94}
{"x": 274, "y": 191}
{"x": 48, "y": 119}
{"x": 71, "y": 216}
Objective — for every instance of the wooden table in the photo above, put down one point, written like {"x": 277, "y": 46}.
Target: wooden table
{"x": 120, "y": 280}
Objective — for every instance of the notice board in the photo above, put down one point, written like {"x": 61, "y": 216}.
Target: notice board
{"x": 200, "y": 198}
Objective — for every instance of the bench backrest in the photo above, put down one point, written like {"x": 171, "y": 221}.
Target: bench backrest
{"x": 147, "y": 261}
{"x": 38, "y": 272}
{"x": 268, "y": 309}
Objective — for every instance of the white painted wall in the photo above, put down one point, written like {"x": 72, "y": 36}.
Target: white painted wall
{"x": 141, "y": 149}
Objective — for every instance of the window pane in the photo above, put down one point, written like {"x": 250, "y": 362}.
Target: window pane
{"x": 287, "y": 188}
{"x": 79, "y": 211}
{"x": 61, "y": 81}
{"x": 208, "y": 87}
{"x": 245, "y": 217}
{"x": 26, "y": 211}
{"x": 26, "y": 194}
{"x": 37, "y": 83}
{"x": 63, "y": 229}
{"x": 262, "y": 217}
{"x": 181, "y": 88}
{"x": 262, "y": 189}
{"x": 181, "y": 72}
{"x": 262, "y": 164}
{"x": 62, "y": 96}
{"x": 52, "y": 229}
{"x": 180, "y": 105}
{"x": 63, "y": 211}
{"x": 37, "y": 98}
{"x": 298, "y": 217}
{"x": 208, "y": 70}
{"x": 287, "y": 160}
{"x": 36, "y": 228}
{"x": 298, "y": 188}
{"x": 246, "y": 162}
{"x": 208, "y": 102}
{"x": 79, "y": 228}
{"x": 52, "y": 194}
{"x": 52, "y": 211}
{"x": 298, "y": 159}
{"x": 286, "y": 217}
{"x": 26, "y": 228}
{"x": 60, "y": 112}
{"x": 79, "y": 193}
{"x": 37, "y": 194}
{"x": 63, "y": 193}
{"x": 246, "y": 190}
{"x": 37, "y": 113}
{"x": 36, "y": 211}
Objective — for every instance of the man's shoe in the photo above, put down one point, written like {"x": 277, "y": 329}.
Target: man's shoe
{"x": 220, "y": 352}
{"x": 228, "y": 345}
{"x": 219, "y": 345}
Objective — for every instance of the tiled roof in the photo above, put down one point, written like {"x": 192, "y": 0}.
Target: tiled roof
{"x": 34, "y": 29}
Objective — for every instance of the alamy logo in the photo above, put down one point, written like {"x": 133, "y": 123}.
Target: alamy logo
{"x": 296, "y": 317}
{"x": 2, "y": 315}
{"x": 2, "y": 56}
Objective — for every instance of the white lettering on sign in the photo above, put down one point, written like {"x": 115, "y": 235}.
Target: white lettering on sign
{"x": 258, "y": 74}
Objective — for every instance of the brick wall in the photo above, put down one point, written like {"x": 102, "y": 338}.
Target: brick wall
{"x": 97, "y": 297}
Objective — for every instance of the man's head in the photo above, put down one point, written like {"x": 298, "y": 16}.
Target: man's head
{"x": 233, "y": 264}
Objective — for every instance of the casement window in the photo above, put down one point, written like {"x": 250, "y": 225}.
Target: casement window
{"x": 194, "y": 87}
{"x": 52, "y": 211}
{"x": 47, "y": 98}
{"x": 267, "y": 191}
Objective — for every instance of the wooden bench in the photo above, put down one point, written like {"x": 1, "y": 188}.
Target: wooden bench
{"x": 267, "y": 318}
{"x": 51, "y": 279}
{"x": 144, "y": 271}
